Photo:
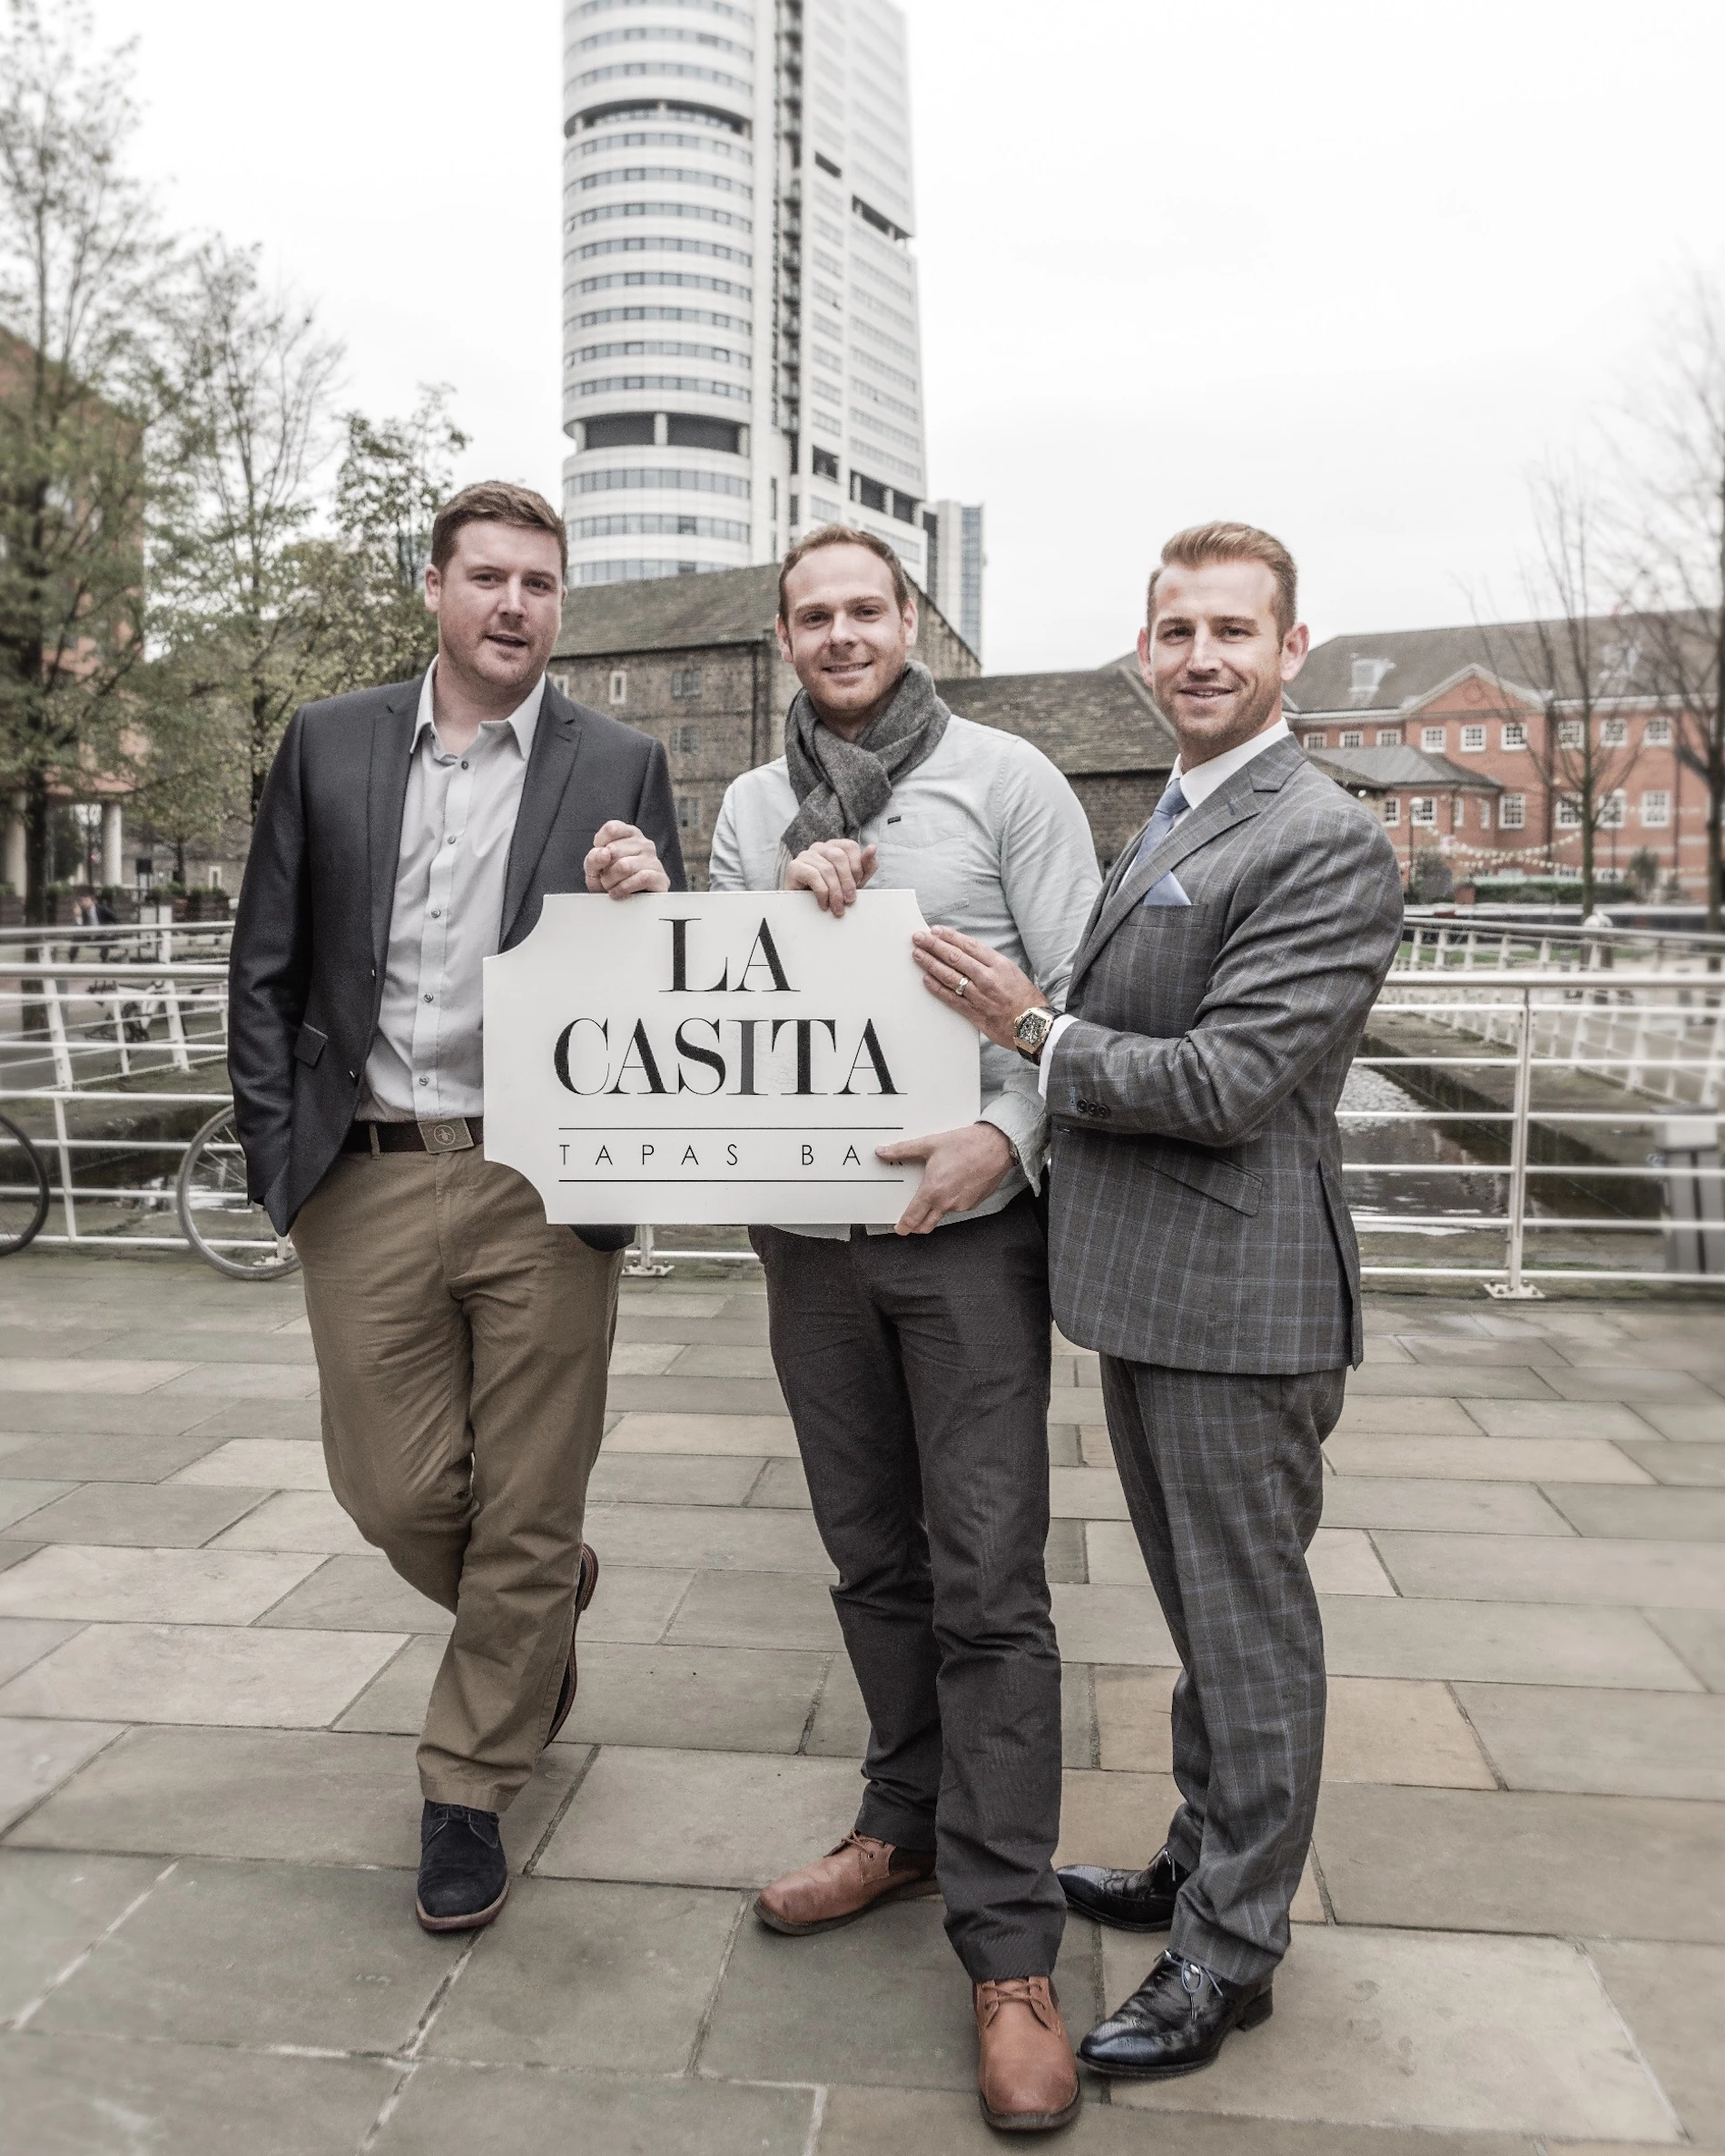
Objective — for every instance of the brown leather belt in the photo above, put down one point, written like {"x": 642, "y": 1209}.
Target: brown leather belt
{"x": 442, "y": 1134}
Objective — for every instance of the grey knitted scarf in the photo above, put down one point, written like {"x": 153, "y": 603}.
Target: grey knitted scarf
{"x": 840, "y": 786}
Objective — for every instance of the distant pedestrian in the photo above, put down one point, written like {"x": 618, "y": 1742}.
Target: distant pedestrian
{"x": 462, "y": 1343}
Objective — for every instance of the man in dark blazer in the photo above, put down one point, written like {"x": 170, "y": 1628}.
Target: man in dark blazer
{"x": 404, "y": 834}
{"x": 1201, "y": 1238}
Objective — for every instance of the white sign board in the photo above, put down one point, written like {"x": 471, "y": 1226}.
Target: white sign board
{"x": 702, "y": 1056}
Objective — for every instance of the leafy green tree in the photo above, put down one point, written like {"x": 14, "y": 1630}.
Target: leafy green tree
{"x": 393, "y": 479}
{"x": 83, "y": 270}
{"x": 240, "y": 590}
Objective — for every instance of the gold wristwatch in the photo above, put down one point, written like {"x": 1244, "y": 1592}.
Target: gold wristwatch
{"x": 1030, "y": 1034}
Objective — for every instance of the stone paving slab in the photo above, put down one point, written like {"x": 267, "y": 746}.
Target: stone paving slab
{"x": 643, "y": 1961}
{"x": 1503, "y": 1569}
{"x": 1383, "y": 2028}
{"x": 54, "y": 1908}
{"x": 202, "y": 1674}
{"x": 1484, "y": 1459}
{"x": 84, "y": 2096}
{"x": 1608, "y": 1744}
{"x": 37, "y": 1756}
{"x": 289, "y": 1797}
{"x": 698, "y": 1819}
{"x": 259, "y": 1954}
{"x": 1462, "y": 1860}
{"x": 227, "y": 1587}
{"x": 1673, "y": 2000}
{"x": 152, "y": 1517}
{"x": 454, "y": 2111}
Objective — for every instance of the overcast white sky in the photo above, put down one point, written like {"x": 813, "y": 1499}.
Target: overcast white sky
{"x": 1342, "y": 267}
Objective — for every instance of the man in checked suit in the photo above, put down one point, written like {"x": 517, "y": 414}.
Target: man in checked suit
{"x": 1201, "y": 1241}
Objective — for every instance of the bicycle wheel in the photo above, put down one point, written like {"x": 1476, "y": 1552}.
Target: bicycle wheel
{"x": 23, "y": 1189}
{"x": 222, "y": 1223}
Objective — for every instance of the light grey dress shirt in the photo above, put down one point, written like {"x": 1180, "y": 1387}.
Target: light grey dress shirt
{"x": 993, "y": 842}
{"x": 456, "y": 825}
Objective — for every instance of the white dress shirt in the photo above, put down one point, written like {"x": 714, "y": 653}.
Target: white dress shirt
{"x": 457, "y": 821}
{"x": 1197, "y": 789}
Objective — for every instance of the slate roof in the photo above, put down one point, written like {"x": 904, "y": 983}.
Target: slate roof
{"x": 673, "y": 612}
{"x": 1386, "y": 768}
{"x": 1412, "y": 664}
{"x": 1090, "y": 723}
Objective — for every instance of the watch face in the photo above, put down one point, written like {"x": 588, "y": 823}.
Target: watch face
{"x": 1031, "y": 1028}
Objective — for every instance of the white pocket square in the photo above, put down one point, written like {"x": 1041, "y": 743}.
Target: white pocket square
{"x": 1166, "y": 891}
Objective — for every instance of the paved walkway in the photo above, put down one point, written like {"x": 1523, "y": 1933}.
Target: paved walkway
{"x": 1512, "y": 1938}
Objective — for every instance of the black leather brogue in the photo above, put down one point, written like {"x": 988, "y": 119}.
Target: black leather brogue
{"x": 1129, "y": 1901}
{"x": 464, "y": 1875}
{"x": 1176, "y": 2021}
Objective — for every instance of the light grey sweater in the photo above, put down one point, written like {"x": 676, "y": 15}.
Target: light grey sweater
{"x": 992, "y": 840}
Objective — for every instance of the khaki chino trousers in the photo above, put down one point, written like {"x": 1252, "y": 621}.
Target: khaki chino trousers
{"x": 462, "y": 1344}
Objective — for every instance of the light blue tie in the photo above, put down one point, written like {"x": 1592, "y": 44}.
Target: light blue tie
{"x": 1172, "y": 804}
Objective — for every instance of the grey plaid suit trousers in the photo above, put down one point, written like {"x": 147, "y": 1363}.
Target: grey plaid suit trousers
{"x": 1200, "y": 1240}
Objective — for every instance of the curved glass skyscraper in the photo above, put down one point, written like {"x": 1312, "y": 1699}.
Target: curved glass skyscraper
{"x": 742, "y": 354}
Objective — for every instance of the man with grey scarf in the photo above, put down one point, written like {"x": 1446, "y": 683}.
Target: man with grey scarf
{"x": 915, "y": 1361}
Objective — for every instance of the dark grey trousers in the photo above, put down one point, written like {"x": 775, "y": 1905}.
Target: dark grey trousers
{"x": 1224, "y": 1479}
{"x": 916, "y": 1370}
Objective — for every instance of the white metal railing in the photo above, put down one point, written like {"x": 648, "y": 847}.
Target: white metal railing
{"x": 106, "y": 1030}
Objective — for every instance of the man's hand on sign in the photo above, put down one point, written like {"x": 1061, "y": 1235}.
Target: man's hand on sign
{"x": 964, "y": 1167}
{"x": 625, "y": 861}
{"x": 967, "y": 976}
{"x": 834, "y": 869}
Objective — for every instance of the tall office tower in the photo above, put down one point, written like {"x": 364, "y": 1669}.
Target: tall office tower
{"x": 742, "y": 354}
{"x": 956, "y": 562}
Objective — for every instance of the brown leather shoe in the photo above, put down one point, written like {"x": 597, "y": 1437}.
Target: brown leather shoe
{"x": 843, "y": 1884}
{"x": 1027, "y": 2078}
{"x": 587, "y": 1580}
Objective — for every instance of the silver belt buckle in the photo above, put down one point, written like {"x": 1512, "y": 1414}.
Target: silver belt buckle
{"x": 448, "y": 1133}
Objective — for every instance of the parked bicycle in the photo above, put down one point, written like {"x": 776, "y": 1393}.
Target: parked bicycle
{"x": 222, "y": 1222}
{"x": 23, "y": 1189}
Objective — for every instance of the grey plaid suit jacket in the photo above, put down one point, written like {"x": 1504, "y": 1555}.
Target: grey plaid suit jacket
{"x": 1197, "y": 1217}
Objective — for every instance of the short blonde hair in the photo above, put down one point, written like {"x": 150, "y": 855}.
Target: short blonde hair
{"x": 1202, "y": 542}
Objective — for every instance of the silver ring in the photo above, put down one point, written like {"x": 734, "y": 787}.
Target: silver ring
{"x": 963, "y": 985}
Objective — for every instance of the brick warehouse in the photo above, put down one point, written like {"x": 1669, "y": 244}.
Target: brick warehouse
{"x": 1487, "y": 705}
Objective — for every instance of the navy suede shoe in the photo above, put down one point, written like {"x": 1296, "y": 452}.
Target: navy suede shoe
{"x": 464, "y": 1875}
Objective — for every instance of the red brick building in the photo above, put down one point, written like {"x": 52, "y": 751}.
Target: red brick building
{"x": 1488, "y": 702}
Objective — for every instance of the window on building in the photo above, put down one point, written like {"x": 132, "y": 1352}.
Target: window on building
{"x": 1391, "y": 808}
{"x": 1613, "y": 733}
{"x": 1389, "y": 737}
{"x": 1352, "y": 738}
{"x": 1367, "y": 674}
{"x": 1472, "y": 741}
{"x": 1512, "y": 813}
{"x": 1320, "y": 740}
{"x": 1423, "y": 811}
{"x": 685, "y": 683}
{"x": 688, "y": 811}
{"x": 1434, "y": 740}
{"x": 1657, "y": 733}
{"x": 619, "y": 684}
{"x": 1572, "y": 733}
{"x": 1614, "y": 810}
{"x": 215, "y": 876}
{"x": 685, "y": 741}
{"x": 690, "y": 431}
{"x": 1486, "y": 812}
{"x": 1515, "y": 734}
{"x": 823, "y": 463}
{"x": 1656, "y": 810}
{"x": 621, "y": 430}
{"x": 1569, "y": 812}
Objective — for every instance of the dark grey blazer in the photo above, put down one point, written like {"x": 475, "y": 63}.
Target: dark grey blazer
{"x": 1198, "y": 1215}
{"x": 306, "y": 976}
